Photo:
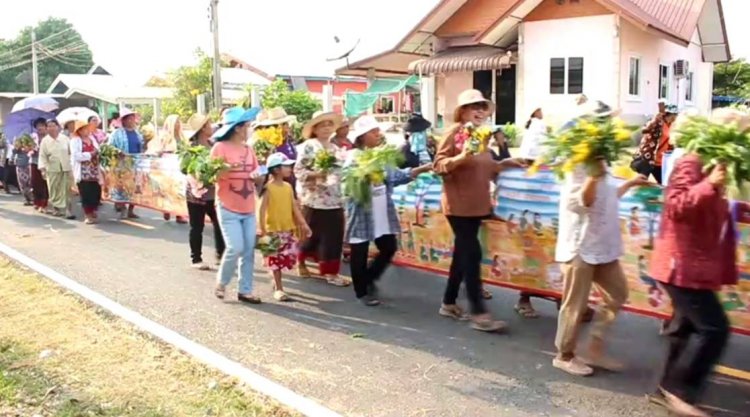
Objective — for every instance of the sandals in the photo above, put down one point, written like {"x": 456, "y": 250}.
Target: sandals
{"x": 486, "y": 294}
{"x": 488, "y": 325}
{"x": 338, "y": 281}
{"x": 453, "y": 311}
{"x": 248, "y": 299}
{"x": 279, "y": 295}
{"x": 526, "y": 311}
{"x": 303, "y": 272}
{"x": 219, "y": 292}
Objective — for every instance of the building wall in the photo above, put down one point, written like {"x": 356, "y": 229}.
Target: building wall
{"x": 550, "y": 9}
{"x": 591, "y": 38}
{"x": 449, "y": 86}
{"x": 653, "y": 51}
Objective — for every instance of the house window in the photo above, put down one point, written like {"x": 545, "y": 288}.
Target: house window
{"x": 557, "y": 76}
{"x": 689, "y": 87}
{"x": 385, "y": 105}
{"x": 663, "y": 81}
{"x": 575, "y": 75}
{"x": 634, "y": 79}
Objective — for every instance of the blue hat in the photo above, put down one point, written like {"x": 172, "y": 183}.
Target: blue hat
{"x": 278, "y": 159}
{"x": 233, "y": 117}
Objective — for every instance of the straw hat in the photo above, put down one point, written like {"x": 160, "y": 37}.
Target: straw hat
{"x": 196, "y": 123}
{"x": 273, "y": 117}
{"x": 469, "y": 97}
{"x": 320, "y": 117}
{"x": 78, "y": 124}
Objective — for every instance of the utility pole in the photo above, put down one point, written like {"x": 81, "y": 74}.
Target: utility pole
{"x": 214, "y": 7}
{"x": 34, "y": 65}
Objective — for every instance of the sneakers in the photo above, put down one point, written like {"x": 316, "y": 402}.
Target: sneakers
{"x": 369, "y": 301}
{"x": 338, "y": 281}
{"x": 200, "y": 266}
{"x": 603, "y": 362}
{"x": 573, "y": 367}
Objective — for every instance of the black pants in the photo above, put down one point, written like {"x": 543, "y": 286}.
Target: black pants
{"x": 656, "y": 173}
{"x": 9, "y": 176}
{"x": 695, "y": 312}
{"x": 466, "y": 263}
{"x": 364, "y": 275}
{"x": 198, "y": 213}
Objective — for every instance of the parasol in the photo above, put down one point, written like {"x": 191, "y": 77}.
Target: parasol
{"x": 19, "y": 122}
{"x": 75, "y": 113}
{"x": 39, "y": 102}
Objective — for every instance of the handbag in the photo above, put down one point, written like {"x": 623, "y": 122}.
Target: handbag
{"x": 641, "y": 165}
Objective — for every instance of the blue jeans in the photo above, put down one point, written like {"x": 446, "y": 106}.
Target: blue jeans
{"x": 239, "y": 236}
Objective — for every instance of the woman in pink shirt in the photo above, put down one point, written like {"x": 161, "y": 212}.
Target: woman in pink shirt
{"x": 235, "y": 200}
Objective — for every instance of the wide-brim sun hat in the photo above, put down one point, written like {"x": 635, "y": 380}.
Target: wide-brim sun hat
{"x": 416, "y": 123}
{"x": 196, "y": 123}
{"x": 470, "y": 97}
{"x": 363, "y": 125}
{"x": 233, "y": 117}
{"x": 320, "y": 117}
{"x": 278, "y": 159}
{"x": 125, "y": 112}
{"x": 273, "y": 117}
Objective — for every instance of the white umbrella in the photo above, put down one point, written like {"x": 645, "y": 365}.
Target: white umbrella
{"x": 43, "y": 103}
{"x": 75, "y": 113}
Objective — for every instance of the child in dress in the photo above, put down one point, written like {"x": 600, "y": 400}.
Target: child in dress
{"x": 280, "y": 218}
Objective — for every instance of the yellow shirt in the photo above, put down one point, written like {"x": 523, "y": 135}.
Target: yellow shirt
{"x": 279, "y": 213}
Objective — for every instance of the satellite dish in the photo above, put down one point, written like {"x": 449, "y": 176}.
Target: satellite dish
{"x": 345, "y": 54}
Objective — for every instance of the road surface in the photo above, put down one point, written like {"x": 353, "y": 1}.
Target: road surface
{"x": 400, "y": 359}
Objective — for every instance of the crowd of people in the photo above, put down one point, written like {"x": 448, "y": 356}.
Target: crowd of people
{"x": 304, "y": 210}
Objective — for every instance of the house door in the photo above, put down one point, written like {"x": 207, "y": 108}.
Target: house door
{"x": 483, "y": 83}
{"x": 505, "y": 96}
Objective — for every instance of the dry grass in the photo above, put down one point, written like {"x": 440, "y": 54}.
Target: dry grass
{"x": 99, "y": 361}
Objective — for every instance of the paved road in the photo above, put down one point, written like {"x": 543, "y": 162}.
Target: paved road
{"x": 400, "y": 359}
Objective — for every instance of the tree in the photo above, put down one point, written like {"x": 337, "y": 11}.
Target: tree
{"x": 60, "y": 50}
{"x": 297, "y": 103}
{"x": 732, "y": 79}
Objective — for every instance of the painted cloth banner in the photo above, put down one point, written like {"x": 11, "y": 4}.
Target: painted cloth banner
{"x": 519, "y": 248}
{"x": 148, "y": 181}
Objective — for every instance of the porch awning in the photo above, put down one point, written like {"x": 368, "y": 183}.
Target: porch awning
{"x": 474, "y": 58}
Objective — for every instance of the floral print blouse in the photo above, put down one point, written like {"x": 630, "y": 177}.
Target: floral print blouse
{"x": 319, "y": 193}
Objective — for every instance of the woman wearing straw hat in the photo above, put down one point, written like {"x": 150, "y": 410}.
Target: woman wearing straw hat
{"x": 320, "y": 196}
{"x": 376, "y": 222}
{"x": 201, "y": 199}
{"x": 466, "y": 202}
{"x": 84, "y": 151}
{"x": 129, "y": 141}
{"x": 235, "y": 200}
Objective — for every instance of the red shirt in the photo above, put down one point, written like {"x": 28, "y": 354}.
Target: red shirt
{"x": 696, "y": 247}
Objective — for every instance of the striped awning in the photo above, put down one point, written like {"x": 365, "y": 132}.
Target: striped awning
{"x": 474, "y": 58}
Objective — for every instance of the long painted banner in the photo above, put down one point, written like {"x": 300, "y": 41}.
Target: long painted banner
{"x": 518, "y": 248}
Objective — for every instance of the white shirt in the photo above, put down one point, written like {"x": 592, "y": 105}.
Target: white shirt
{"x": 593, "y": 233}
{"x": 380, "y": 222}
{"x": 532, "y": 145}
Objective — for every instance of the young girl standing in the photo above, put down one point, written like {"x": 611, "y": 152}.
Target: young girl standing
{"x": 280, "y": 217}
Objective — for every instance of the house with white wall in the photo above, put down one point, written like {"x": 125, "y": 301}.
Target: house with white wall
{"x": 525, "y": 54}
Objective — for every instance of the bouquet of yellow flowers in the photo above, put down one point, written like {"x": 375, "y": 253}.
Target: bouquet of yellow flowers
{"x": 589, "y": 140}
{"x": 324, "y": 161}
{"x": 24, "y": 142}
{"x": 266, "y": 140}
{"x": 475, "y": 138}
{"x": 369, "y": 169}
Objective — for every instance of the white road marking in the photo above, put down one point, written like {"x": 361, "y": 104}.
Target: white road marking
{"x": 203, "y": 354}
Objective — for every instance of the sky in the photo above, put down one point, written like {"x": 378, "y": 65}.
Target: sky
{"x": 139, "y": 38}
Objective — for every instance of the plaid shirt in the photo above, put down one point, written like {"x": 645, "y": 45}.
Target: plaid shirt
{"x": 359, "y": 221}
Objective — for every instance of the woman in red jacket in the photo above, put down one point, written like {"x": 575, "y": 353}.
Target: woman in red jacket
{"x": 693, "y": 257}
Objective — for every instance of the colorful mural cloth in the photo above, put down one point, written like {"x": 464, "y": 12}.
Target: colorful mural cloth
{"x": 519, "y": 246}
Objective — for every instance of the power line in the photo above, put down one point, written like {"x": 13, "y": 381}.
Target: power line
{"x": 28, "y": 46}
{"x": 75, "y": 46}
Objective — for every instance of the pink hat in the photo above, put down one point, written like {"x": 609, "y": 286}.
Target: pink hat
{"x": 125, "y": 112}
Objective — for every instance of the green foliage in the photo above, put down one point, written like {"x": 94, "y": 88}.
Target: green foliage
{"x": 512, "y": 134}
{"x": 197, "y": 162}
{"x": 369, "y": 169}
{"x": 188, "y": 82}
{"x": 297, "y": 103}
{"x": 719, "y": 143}
{"x": 76, "y": 59}
{"x": 732, "y": 78}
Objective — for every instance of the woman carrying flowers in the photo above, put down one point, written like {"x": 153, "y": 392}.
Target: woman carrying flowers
{"x": 370, "y": 175}
{"x": 84, "y": 150}
{"x": 468, "y": 169}
{"x": 22, "y": 148}
{"x": 280, "y": 218}
{"x": 273, "y": 134}
{"x": 318, "y": 174}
